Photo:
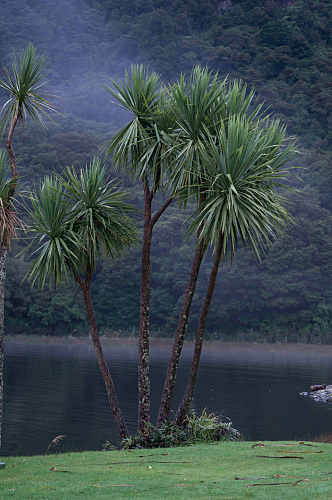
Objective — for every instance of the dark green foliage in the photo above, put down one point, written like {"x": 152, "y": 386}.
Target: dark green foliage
{"x": 206, "y": 428}
{"x": 282, "y": 48}
{"x": 285, "y": 50}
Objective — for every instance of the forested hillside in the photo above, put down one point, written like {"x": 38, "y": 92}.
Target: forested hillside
{"x": 284, "y": 49}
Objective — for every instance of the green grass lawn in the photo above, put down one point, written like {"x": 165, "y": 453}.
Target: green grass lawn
{"x": 203, "y": 471}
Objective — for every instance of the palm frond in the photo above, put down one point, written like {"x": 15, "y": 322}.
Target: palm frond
{"x": 25, "y": 84}
{"x": 244, "y": 165}
{"x": 202, "y": 107}
{"x": 138, "y": 95}
{"x": 54, "y": 246}
{"x": 99, "y": 216}
{"x": 140, "y": 146}
{"x": 75, "y": 219}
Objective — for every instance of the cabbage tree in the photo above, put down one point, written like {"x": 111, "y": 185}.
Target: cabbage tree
{"x": 24, "y": 83}
{"x": 200, "y": 108}
{"x": 76, "y": 219}
{"x": 139, "y": 148}
{"x": 244, "y": 174}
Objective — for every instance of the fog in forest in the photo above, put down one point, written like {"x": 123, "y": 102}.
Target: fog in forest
{"x": 288, "y": 296}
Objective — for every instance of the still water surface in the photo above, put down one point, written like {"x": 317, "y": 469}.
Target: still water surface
{"x": 57, "y": 388}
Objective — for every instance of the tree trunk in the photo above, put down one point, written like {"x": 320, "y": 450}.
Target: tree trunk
{"x": 144, "y": 318}
{"x": 3, "y": 254}
{"x": 185, "y": 404}
{"x": 10, "y": 149}
{"x": 167, "y": 396}
{"x": 113, "y": 401}
{"x": 168, "y": 391}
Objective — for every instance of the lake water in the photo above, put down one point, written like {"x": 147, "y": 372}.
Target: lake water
{"x": 55, "y": 387}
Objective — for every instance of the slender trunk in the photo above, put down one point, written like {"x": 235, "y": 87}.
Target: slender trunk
{"x": 113, "y": 401}
{"x": 3, "y": 254}
{"x": 167, "y": 396}
{"x": 168, "y": 391}
{"x": 10, "y": 149}
{"x": 185, "y": 404}
{"x": 144, "y": 317}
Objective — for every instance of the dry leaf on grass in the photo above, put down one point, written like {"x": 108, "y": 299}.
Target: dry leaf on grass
{"x": 54, "y": 469}
{"x": 262, "y": 445}
{"x": 154, "y": 455}
{"x": 257, "y": 477}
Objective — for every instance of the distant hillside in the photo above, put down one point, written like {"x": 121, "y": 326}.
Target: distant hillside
{"x": 284, "y": 49}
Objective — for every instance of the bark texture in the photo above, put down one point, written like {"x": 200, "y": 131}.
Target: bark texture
{"x": 9, "y": 146}
{"x": 144, "y": 318}
{"x": 168, "y": 391}
{"x": 113, "y": 401}
{"x": 144, "y": 335}
{"x": 167, "y": 395}
{"x": 187, "y": 398}
{"x": 3, "y": 254}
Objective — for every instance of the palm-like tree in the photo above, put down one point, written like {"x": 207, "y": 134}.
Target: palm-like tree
{"x": 25, "y": 84}
{"x": 168, "y": 142}
{"x": 139, "y": 147}
{"x": 244, "y": 167}
{"x": 200, "y": 108}
{"x": 76, "y": 219}
{"x": 8, "y": 222}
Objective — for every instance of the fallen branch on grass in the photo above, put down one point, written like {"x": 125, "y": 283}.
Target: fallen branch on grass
{"x": 268, "y": 456}
{"x": 274, "y": 484}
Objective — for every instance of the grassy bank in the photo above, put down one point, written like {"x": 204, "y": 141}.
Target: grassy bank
{"x": 200, "y": 471}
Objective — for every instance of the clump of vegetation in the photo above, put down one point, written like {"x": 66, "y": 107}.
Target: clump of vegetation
{"x": 323, "y": 437}
{"x": 204, "y": 428}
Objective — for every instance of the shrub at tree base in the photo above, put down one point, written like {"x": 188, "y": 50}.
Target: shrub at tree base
{"x": 207, "y": 428}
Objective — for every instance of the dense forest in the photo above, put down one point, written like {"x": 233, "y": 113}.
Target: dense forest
{"x": 282, "y": 48}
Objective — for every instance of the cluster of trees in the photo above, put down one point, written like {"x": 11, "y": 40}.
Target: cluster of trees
{"x": 203, "y": 140}
{"x": 89, "y": 41}
{"x": 292, "y": 300}
{"x": 284, "y": 48}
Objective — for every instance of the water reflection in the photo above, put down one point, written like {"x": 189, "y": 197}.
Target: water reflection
{"x": 53, "y": 389}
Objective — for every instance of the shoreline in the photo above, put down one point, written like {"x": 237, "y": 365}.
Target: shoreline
{"x": 209, "y": 345}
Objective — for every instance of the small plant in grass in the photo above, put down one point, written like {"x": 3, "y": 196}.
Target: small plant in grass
{"x": 109, "y": 447}
{"x": 56, "y": 441}
{"x": 204, "y": 428}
